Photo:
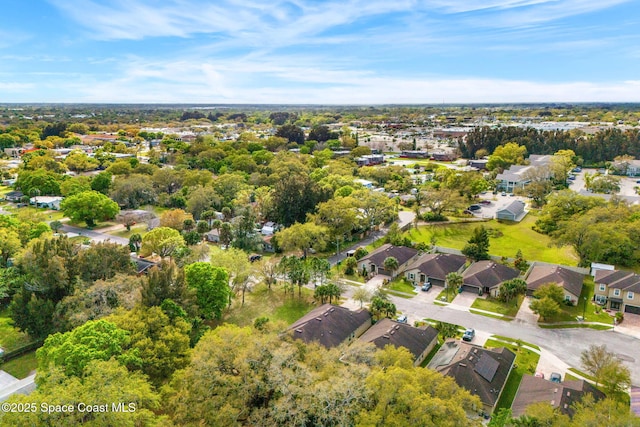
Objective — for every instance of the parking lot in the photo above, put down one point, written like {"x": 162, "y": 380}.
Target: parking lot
{"x": 498, "y": 201}
{"x": 627, "y": 184}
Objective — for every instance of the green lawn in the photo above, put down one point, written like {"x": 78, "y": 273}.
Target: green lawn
{"x": 138, "y": 228}
{"x": 512, "y": 237}
{"x": 401, "y": 285}
{"x": 272, "y": 304}
{"x": 493, "y": 305}
{"x": 10, "y": 337}
{"x": 442, "y": 296}
{"x": 525, "y": 363}
{"x": 21, "y": 366}
{"x": 570, "y": 313}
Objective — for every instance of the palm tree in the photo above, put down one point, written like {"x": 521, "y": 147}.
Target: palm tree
{"x": 391, "y": 264}
{"x": 453, "y": 280}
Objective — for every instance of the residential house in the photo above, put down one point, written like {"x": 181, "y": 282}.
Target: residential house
{"x": 561, "y": 396}
{"x": 514, "y": 211}
{"x": 486, "y": 277}
{"x": 569, "y": 280}
{"x": 331, "y": 325}
{"x": 414, "y": 154}
{"x": 419, "y": 341}
{"x": 518, "y": 176}
{"x": 14, "y": 196}
{"x": 444, "y": 157}
{"x": 374, "y": 262}
{"x": 480, "y": 164}
{"x": 370, "y": 160}
{"x": 142, "y": 265}
{"x": 618, "y": 290}
{"x": 212, "y": 236}
{"x": 269, "y": 228}
{"x": 434, "y": 268}
{"x": 13, "y": 152}
{"x": 627, "y": 167}
{"x": 267, "y": 245}
{"x": 483, "y": 372}
{"x": 47, "y": 202}
{"x": 365, "y": 183}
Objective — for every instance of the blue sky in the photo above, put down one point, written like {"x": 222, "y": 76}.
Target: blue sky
{"x": 311, "y": 51}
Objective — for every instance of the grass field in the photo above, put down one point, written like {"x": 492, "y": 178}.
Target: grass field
{"x": 512, "y": 237}
{"x": 138, "y": 228}
{"x": 525, "y": 363}
{"x": 401, "y": 285}
{"x": 273, "y": 304}
{"x": 22, "y": 366}
{"x": 506, "y": 309}
{"x": 442, "y": 296}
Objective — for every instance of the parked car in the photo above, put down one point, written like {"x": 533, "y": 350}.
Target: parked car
{"x": 539, "y": 375}
{"x": 469, "y": 334}
{"x": 402, "y": 319}
{"x": 475, "y": 207}
{"x": 503, "y": 193}
{"x": 555, "y": 377}
{"x": 255, "y": 257}
{"x": 467, "y": 211}
{"x": 426, "y": 286}
{"x": 485, "y": 202}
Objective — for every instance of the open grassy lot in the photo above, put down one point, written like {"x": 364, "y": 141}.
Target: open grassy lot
{"x": 10, "y": 337}
{"x": 525, "y": 363}
{"x": 138, "y": 228}
{"x": 442, "y": 296}
{"x": 509, "y": 309}
{"x": 273, "y": 304}
{"x": 570, "y": 313}
{"x": 511, "y": 238}
{"x": 21, "y": 366}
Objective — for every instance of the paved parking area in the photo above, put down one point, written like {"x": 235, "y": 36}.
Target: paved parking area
{"x": 498, "y": 201}
{"x": 465, "y": 299}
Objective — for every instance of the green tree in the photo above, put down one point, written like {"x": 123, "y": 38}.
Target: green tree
{"x": 296, "y": 271}
{"x": 78, "y": 161}
{"x": 163, "y": 241}
{"x": 116, "y": 384}
{"x": 212, "y": 287}
{"x": 550, "y": 290}
{"x": 350, "y": 265}
{"x": 89, "y": 206}
{"x": 511, "y": 289}
{"x": 161, "y": 343}
{"x": 302, "y": 237}
{"x": 163, "y": 282}
{"x": 103, "y": 261}
{"x": 133, "y": 191}
{"x": 75, "y": 185}
{"x": 361, "y": 295}
{"x": 452, "y": 282}
{"x": 391, "y": 264}
{"x": 447, "y": 330}
{"x": 9, "y": 245}
{"x": 478, "y": 246}
{"x": 47, "y": 182}
{"x": 506, "y": 155}
{"x": 545, "y": 307}
{"x": 601, "y": 363}
{"x": 95, "y": 340}
{"x": 520, "y": 263}
{"x": 55, "y": 226}
{"x": 101, "y": 182}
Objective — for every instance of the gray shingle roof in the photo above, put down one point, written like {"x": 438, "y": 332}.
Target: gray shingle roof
{"x": 329, "y": 325}
{"x": 570, "y": 280}
{"x": 387, "y": 331}
{"x": 619, "y": 279}
{"x": 401, "y": 253}
{"x": 488, "y": 274}
{"x": 438, "y": 265}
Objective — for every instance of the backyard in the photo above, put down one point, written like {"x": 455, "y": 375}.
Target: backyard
{"x": 505, "y": 240}
{"x": 274, "y": 304}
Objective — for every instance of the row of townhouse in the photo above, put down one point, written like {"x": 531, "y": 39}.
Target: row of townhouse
{"x": 482, "y": 277}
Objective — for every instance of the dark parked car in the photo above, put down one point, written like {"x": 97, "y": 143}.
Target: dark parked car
{"x": 475, "y": 207}
{"x": 255, "y": 257}
{"x": 426, "y": 286}
{"x": 485, "y": 202}
{"x": 555, "y": 377}
{"x": 469, "y": 334}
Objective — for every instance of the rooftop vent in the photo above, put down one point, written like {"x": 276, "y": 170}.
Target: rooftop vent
{"x": 299, "y": 330}
{"x": 319, "y": 319}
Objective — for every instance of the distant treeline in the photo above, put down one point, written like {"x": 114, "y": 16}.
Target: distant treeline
{"x": 595, "y": 149}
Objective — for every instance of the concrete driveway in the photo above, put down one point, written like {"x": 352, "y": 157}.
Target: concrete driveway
{"x": 465, "y": 299}
{"x": 525, "y": 314}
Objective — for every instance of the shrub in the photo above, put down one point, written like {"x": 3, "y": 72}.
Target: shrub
{"x": 619, "y": 317}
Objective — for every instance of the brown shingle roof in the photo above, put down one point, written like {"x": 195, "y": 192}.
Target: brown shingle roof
{"x": 386, "y": 332}
{"x": 570, "y": 280}
{"x": 481, "y": 371}
{"x": 438, "y": 265}
{"x": 559, "y": 395}
{"x": 329, "y": 325}
{"x": 619, "y": 279}
{"x": 401, "y": 253}
{"x": 488, "y": 273}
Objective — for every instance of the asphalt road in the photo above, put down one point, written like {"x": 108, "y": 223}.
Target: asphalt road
{"x": 95, "y": 236}
{"x": 566, "y": 343}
